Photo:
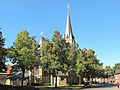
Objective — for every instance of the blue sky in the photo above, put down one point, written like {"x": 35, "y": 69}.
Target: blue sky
{"x": 95, "y": 23}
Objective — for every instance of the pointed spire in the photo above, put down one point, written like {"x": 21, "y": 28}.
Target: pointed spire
{"x": 68, "y": 8}
{"x": 68, "y": 30}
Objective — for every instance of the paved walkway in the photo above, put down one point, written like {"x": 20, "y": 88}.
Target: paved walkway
{"x": 103, "y": 88}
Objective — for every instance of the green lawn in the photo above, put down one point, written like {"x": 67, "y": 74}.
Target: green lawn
{"x": 61, "y": 86}
{"x": 66, "y": 86}
{"x": 14, "y": 87}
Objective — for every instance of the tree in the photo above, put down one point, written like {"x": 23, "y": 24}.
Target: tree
{"x": 81, "y": 62}
{"x": 54, "y": 55}
{"x": 72, "y": 57}
{"x": 3, "y": 53}
{"x": 108, "y": 71}
{"x": 93, "y": 66}
{"x": 88, "y": 65}
{"x": 116, "y": 67}
{"x": 24, "y": 52}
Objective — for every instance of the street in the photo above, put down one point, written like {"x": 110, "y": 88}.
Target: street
{"x": 104, "y": 87}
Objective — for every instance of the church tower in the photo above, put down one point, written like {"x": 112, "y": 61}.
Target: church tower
{"x": 68, "y": 31}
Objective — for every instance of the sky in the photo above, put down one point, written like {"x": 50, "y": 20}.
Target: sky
{"x": 95, "y": 23}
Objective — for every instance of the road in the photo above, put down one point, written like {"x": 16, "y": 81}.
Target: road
{"x": 104, "y": 87}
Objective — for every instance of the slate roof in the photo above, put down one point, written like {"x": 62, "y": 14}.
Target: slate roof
{"x": 18, "y": 75}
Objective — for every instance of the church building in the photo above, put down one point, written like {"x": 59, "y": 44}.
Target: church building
{"x": 62, "y": 79}
{"x": 38, "y": 75}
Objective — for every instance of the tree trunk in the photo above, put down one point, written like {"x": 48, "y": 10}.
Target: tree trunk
{"x": 23, "y": 73}
{"x": 55, "y": 81}
{"x": 104, "y": 80}
{"x": 70, "y": 79}
{"x": 88, "y": 78}
{"x": 80, "y": 80}
{"x": 33, "y": 76}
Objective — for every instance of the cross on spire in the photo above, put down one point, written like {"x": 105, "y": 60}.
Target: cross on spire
{"x": 68, "y": 7}
{"x": 68, "y": 30}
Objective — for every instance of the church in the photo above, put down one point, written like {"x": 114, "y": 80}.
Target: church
{"x": 38, "y": 75}
{"x": 62, "y": 79}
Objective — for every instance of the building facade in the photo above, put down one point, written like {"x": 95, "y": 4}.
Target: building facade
{"x": 62, "y": 79}
{"x": 3, "y": 75}
{"x": 38, "y": 75}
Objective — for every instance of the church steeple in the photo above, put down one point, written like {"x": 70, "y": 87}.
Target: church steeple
{"x": 68, "y": 31}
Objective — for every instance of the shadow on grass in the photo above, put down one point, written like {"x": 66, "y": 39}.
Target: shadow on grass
{"x": 9, "y": 87}
{"x": 66, "y": 87}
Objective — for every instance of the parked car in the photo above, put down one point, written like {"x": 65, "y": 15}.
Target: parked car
{"x": 87, "y": 84}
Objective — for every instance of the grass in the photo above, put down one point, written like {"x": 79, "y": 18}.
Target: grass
{"x": 62, "y": 86}
{"x": 73, "y": 87}
{"x": 14, "y": 87}
{"x": 67, "y": 86}
{"x": 95, "y": 85}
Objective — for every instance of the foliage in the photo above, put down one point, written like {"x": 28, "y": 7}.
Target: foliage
{"x": 81, "y": 62}
{"x": 116, "y": 67}
{"x": 87, "y": 64}
{"x": 24, "y": 52}
{"x": 3, "y": 53}
{"x": 95, "y": 65}
{"x": 108, "y": 71}
{"x": 57, "y": 55}
{"x": 54, "y": 55}
{"x": 72, "y": 57}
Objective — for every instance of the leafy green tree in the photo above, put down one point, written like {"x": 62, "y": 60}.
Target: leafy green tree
{"x": 88, "y": 58}
{"x": 94, "y": 66}
{"x": 72, "y": 57}
{"x": 108, "y": 71}
{"x": 81, "y": 62}
{"x": 116, "y": 67}
{"x": 54, "y": 55}
{"x": 24, "y": 52}
{"x": 99, "y": 70}
{"x": 3, "y": 53}
{"x": 88, "y": 65}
